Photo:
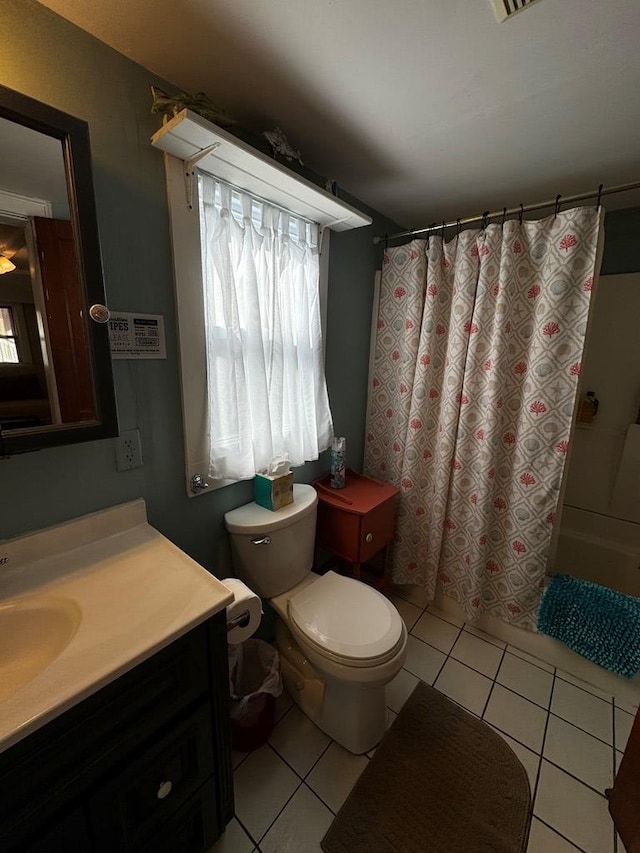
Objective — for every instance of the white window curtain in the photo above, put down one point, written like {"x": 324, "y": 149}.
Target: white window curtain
{"x": 267, "y": 395}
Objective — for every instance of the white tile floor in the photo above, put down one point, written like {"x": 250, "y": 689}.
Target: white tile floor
{"x": 568, "y": 735}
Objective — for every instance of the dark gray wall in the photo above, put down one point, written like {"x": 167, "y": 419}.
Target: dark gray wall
{"x": 50, "y": 60}
{"x": 53, "y": 61}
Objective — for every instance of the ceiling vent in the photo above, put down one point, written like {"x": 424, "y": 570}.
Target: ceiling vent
{"x": 507, "y": 8}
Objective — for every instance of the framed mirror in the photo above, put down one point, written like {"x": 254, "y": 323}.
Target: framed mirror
{"x": 56, "y": 383}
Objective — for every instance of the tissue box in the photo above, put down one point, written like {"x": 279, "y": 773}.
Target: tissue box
{"x": 273, "y": 491}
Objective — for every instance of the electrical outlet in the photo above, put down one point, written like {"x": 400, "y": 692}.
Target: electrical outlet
{"x": 128, "y": 450}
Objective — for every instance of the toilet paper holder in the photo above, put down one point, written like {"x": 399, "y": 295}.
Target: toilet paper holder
{"x": 241, "y": 620}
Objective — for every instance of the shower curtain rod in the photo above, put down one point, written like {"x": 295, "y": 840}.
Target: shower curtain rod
{"x": 485, "y": 217}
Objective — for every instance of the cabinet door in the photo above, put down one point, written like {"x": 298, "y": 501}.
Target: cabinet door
{"x": 69, "y": 835}
{"x": 42, "y": 775}
{"x": 129, "y": 808}
{"x": 194, "y": 828}
{"x": 624, "y": 798}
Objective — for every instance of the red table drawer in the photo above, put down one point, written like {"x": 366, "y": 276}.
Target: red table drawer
{"x": 358, "y": 521}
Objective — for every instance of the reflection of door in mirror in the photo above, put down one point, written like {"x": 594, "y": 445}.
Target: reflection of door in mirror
{"x": 64, "y": 318}
{"x": 45, "y": 361}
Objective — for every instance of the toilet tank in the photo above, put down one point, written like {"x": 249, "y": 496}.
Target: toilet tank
{"x": 273, "y": 551}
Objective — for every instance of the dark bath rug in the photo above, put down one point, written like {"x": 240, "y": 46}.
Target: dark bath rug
{"x": 441, "y": 781}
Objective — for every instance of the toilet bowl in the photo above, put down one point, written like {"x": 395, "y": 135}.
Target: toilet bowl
{"x": 340, "y": 641}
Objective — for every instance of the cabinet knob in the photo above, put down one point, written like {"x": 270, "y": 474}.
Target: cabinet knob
{"x": 164, "y": 790}
{"x": 99, "y": 313}
{"x": 368, "y": 537}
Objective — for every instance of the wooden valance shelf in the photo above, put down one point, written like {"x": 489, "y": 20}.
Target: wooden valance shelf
{"x": 187, "y": 135}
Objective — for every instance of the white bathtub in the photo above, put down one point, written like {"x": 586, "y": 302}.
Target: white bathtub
{"x": 600, "y": 549}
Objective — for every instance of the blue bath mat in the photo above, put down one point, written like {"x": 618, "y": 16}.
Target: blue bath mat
{"x": 599, "y": 623}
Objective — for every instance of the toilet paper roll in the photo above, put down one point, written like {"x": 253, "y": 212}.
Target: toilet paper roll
{"x": 244, "y": 601}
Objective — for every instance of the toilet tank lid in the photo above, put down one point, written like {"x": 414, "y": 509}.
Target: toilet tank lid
{"x": 252, "y": 518}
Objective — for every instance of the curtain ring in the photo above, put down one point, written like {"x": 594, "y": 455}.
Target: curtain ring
{"x": 458, "y": 228}
{"x": 557, "y": 207}
{"x": 599, "y": 196}
{"x": 521, "y": 213}
{"x": 386, "y": 242}
{"x": 504, "y": 215}
{"x": 444, "y": 225}
{"x": 485, "y": 220}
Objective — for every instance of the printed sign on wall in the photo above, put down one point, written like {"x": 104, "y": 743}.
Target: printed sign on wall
{"x": 136, "y": 335}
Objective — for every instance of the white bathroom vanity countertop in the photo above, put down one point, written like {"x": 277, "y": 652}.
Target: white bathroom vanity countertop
{"x": 82, "y": 603}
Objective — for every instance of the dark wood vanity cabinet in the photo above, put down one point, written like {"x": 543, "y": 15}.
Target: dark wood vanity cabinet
{"x": 142, "y": 765}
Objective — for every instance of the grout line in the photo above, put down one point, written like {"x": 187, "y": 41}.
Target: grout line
{"x": 542, "y": 745}
{"x": 246, "y": 831}
{"x": 442, "y": 666}
{"x": 293, "y": 793}
{"x": 494, "y": 679}
{"x": 509, "y": 735}
{"x": 470, "y": 628}
{"x": 316, "y": 794}
{"x": 564, "y": 837}
{"x": 493, "y": 684}
{"x": 318, "y": 759}
{"x": 575, "y": 778}
{"x": 526, "y": 698}
{"x": 528, "y": 659}
{"x": 593, "y": 687}
{"x": 431, "y": 646}
{"x": 290, "y": 708}
{"x": 580, "y": 729}
{"x": 292, "y": 768}
{"x": 428, "y": 612}
{"x": 242, "y": 761}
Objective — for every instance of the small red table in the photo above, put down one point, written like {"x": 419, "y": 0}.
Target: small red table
{"x": 357, "y": 522}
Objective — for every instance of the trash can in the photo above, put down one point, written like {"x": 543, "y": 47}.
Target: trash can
{"x": 254, "y": 684}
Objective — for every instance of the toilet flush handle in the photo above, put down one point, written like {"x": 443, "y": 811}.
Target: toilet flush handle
{"x": 262, "y": 540}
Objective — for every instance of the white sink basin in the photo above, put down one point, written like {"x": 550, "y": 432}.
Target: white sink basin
{"x": 33, "y": 632}
{"x": 83, "y": 602}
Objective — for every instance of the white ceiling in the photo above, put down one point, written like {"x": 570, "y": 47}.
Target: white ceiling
{"x": 425, "y": 109}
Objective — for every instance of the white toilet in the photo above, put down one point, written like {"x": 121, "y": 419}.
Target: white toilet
{"x": 340, "y": 641}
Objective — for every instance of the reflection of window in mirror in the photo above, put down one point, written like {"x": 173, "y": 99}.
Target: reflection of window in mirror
{"x": 8, "y": 336}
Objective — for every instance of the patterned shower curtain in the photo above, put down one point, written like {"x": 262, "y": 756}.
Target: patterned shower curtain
{"x": 475, "y": 374}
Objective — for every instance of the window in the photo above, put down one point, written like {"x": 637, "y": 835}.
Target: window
{"x": 8, "y": 337}
{"x": 266, "y": 391}
{"x": 269, "y": 206}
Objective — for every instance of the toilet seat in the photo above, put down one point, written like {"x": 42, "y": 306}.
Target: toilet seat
{"x": 346, "y": 621}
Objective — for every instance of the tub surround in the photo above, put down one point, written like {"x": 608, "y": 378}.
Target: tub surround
{"x": 600, "y": 549}
{"x": 107, "y": 591}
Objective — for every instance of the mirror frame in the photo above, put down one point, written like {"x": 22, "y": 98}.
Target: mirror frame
{"x": 73, "y": 134}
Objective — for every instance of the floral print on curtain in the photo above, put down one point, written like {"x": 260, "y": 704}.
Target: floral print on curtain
{"x": 475, "y": 375}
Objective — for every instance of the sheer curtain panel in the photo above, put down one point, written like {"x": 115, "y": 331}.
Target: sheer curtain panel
{"x": 267, "y": 394}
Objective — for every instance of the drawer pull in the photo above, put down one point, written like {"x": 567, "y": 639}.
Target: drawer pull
{"x": 368, "y": 537}
{"x": 164, "y": 790}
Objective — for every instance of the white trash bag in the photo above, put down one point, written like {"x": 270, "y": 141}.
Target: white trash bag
{"x": 254, "y": 669}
